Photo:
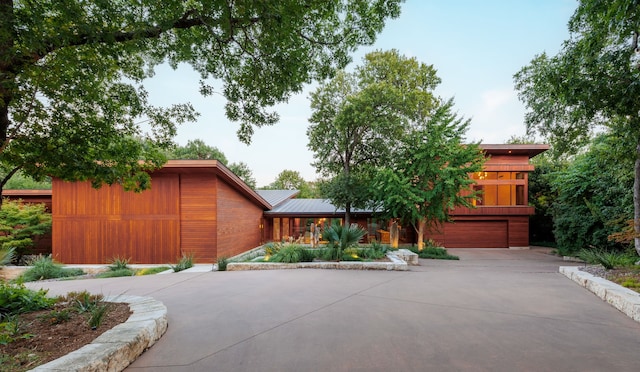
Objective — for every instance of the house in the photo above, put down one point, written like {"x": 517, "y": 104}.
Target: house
{"x": 500, "y": 219}
{"x": 194, "y": 207}
{"x": 199, "y": 207}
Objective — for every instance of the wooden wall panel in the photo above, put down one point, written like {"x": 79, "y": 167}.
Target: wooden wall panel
{"x": 198, "y": 216}
{"x": 476, "y": 234}
{"x": 93, "y": 226}
{"x": 518, "y": 231}
{"x": 238, "y": 222}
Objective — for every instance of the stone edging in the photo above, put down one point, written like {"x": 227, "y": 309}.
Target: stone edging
{"x": 623, "y": 299}
{"x": 395, "y": 264}
{"x": 115, "y": 349}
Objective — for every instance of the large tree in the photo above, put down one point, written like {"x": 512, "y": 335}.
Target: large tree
{"x": 428, "y": 175}
{"x": 197, "y": 149}
{"x": 292, "y": 180}
{"x": 358, "y": 117}
{"x": 594, "y": 81}
{"x": 72, "y": 73}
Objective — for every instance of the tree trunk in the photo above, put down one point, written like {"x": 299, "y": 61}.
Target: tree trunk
{"x": 421, "y": 226}
{"x": 636, "y": 200}
{"x": 347, "y": 215}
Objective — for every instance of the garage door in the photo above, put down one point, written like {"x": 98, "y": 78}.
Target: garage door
{"x": 476, "y": 234}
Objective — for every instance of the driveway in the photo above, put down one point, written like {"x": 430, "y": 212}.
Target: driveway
{"x": 494, "y": 310}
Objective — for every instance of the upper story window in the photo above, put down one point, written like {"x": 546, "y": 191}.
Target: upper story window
{"x": 500, "y": 188}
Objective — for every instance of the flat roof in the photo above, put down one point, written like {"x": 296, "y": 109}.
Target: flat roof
{"x": 530, "y": 150}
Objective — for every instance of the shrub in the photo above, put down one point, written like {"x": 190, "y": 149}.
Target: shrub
{"x": 271, "y": 248}
{"x": 82, "y": 301}
{"x": 20, "y": 223}
{"x": 289, "y": 254}
{"x": 97, "y": 314}
{"x": 11, "y": 330}
{"x": 118, "y": 263}
{"x": 43, "y": 267}
{"x": 436, "y": 253}
{"x": 7, "y": 255}
{"x": 152, "y": 270}
{"x": 341, "y": 238}
{"x": 185, "y": 262}
{"x": 116, "y": 273}
{"x": 608, "y": 259}
{"x": 56, "y": 317}
{"x": 222, "y": 263}
{"x": 16, "y": 299}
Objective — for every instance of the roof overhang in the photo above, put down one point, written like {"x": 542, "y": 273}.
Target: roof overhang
{"x": 529, "y": 150}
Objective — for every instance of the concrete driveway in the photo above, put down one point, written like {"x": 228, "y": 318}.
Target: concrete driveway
{"x": 495, "y": 310}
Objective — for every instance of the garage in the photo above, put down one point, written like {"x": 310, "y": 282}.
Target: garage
{"x": 476, "y": 234}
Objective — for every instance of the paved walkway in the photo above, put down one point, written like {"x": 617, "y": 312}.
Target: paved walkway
{"x": 495, "y": 310}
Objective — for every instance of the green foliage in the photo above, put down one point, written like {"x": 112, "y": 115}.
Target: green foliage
{"x": 242, "y": 170}
{"x": 83, "y": 302}
{"x": 185, "y": 262}
{"x": 20, "y": 181}
{"x": 357, "y": 117}
{"x": 593, "y": 199}
{"x": 340, "y": 238}
{"x": 72, "y": 74}
{"x": 430, "y": 170}
{"x": 119, "y": 263}
{"x": 11, "y": 330}
{"x": 590, "y": 84}
{"x": 435, "y": 253}
{"x": 152, "y": 270}
{"x": 289, "y": 253}
{"x": 97, "y": 314}
{"x": 21, "y": 223}
{"x": 43, "y": 267}
{"x": 272, "y": 248}
{"x": 15, "y": 298}
{"x": 56, "y": 316}
{"x": 197, "y": 149}
{"x": 116, "y": 273}
{"x": 292, "y": 180}
{"x": 222, "y": 263}
{"x": 608, "y": 259}
{"x": 7, "y": 255}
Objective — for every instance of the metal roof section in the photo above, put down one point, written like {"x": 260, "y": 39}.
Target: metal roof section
{"x": 310, "y": 207}
{"x": 275, "y": 197}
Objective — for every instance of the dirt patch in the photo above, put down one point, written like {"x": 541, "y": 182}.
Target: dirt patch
{"x": 43, "y": 337}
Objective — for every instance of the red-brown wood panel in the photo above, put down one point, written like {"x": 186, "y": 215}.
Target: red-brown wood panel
{"x": 238, "y": 222}
{"x": 198, "y": 215}
{"x": 95, "y": 226}
{"x": 518, "y": 231}
{"x": 476, "y": 234}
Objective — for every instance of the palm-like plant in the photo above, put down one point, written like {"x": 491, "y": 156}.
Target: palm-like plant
{"x": 341, "y": 237}
{"x": 7, "y": 255}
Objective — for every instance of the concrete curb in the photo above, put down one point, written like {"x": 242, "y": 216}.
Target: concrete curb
{"x": 396, "y": 264}
{"x": 623, "y": 299}
{"x": 115, "y": 349}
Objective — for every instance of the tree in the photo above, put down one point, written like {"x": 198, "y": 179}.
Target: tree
{"x": 197, "y": 149}
{"x": 242, "y": 170}
{"x": 429, "y": 173}
{"x": 72, "y": 95}
{"x": 292, "y": 180}
{"x": 593, "y": 198}
{"x": 21, "y": 182}
{"x": 593, "y": 82}
{"x": 357, "y": 118}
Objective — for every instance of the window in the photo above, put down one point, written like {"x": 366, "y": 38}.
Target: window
{"x": 500, "y": 188}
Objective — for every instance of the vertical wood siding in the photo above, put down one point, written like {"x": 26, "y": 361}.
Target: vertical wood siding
{"x": 198, "y": 216}
{"x": 238, "y": 222}
{"x": 94, "y": 226}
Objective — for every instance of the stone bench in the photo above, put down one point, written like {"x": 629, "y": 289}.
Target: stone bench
{"x": 408, "y": 256}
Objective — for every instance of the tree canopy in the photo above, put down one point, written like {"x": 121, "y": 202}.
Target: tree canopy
{"x": 292, "y": 180}
{"x": 592, "y": 83}
{"x": 198, "y": 150}
{"x": 428, "y": 174}
{"x": 357, "y": 119}
{"x": 72, "y": 96}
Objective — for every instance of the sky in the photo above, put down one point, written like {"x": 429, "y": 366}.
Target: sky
{"x": 475, "y": 45}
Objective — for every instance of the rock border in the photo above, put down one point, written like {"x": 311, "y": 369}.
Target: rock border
{"x": 118, "y": 347}
{"x": 395, "y": 263}
{"x": 623, "y": 299}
